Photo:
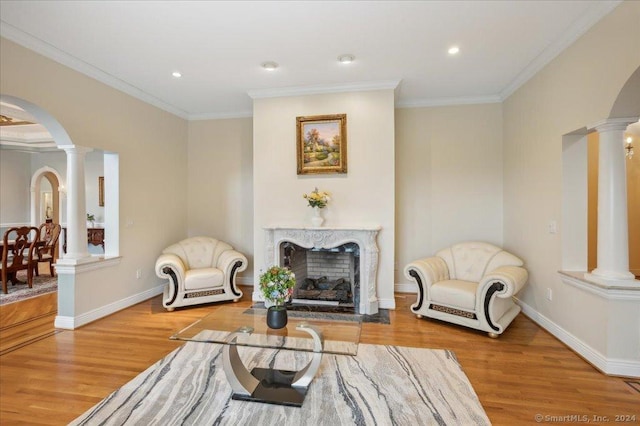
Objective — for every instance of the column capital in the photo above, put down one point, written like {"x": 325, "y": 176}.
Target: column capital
{"x": 77, "y": 149}
{"x": 613, "y": 124}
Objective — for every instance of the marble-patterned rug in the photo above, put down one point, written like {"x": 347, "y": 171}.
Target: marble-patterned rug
{"x": 382, "y": 385}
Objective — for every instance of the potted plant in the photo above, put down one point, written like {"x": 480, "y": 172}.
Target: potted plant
{"x": 90, "y": 220}
{"x": 317, "y": 200}
{"x": 276, "y": 285}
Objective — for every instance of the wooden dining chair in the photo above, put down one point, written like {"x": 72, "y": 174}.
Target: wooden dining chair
{"x": 18, "y": 251}
{"x": 49, "y": 234}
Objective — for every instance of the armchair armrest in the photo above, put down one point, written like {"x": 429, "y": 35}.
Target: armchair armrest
{"x": 426, "y": 272}
{"x": 429, "y": 270}
{"x": 230, "y": 263}
{"x": 512, "y": 278}
{"x": 170, "y": 261}
{"x": 171, "y": 266}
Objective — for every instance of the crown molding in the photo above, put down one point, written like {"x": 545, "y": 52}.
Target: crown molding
{"x": 220, "y": 116}
{"x": 324, "y": 89}
{"x": 24, "y": 39}
{"x": 573, "y": 33}
{"x": 463, "y": 100}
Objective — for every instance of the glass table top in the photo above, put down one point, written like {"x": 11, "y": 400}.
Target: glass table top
{"x": 248, "y": 327}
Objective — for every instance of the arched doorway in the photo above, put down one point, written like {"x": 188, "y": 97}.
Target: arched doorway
{"x": 47, "y": 196}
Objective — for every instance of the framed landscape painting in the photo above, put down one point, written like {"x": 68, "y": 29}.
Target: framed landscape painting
{"x": 321, "y": 144}
{"x": 101, "y": 191}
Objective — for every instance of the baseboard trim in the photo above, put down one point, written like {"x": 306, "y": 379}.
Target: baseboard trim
{"x": 609, "y": 366}
{"x": 244, "y": 280}
{"x": 71, "y": 323}
{"x": 406, "y": 288}
{"x": 387, "y": 303}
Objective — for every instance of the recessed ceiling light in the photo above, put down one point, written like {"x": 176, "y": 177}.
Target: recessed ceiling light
{"x": 176, "y": 74}
{"x": 270, "y": 65}
{"x": 346, "y": 59}
{"x": 453, "y": 50}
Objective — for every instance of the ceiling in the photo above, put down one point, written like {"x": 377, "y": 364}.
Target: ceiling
{"x": 219, "y": 47}
{"x": 19, "y": 131}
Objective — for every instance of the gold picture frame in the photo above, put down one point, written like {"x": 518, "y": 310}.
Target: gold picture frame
{"x": 321, "y": 144}
{"x": 101, "y": 191}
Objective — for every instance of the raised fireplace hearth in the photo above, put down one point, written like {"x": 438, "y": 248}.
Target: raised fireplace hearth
{"x": 352, "y": 256}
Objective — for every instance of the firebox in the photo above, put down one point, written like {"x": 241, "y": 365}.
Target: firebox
{"x": 324, "y": 276}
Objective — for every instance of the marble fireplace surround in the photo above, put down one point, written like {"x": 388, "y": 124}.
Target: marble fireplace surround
{"x": 327, "y": 238}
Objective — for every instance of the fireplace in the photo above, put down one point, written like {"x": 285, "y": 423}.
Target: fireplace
{"x": 336, "y": 249}
{"x": 324, "y": 276}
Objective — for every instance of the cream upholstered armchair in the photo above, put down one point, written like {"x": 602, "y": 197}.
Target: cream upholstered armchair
{"x": 469, "y": 284}
{"x": 200, "y": 270}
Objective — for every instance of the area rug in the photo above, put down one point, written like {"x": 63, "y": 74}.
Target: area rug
{"x": 41, "y": 285}
{"x": 382, "y": 385}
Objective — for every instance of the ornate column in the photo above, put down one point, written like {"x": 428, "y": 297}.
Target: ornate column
{"x": 613, "y": 232}
{"x": 76, "y": 205}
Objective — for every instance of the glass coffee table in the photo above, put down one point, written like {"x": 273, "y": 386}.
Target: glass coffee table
{"x": 234, "y": 327}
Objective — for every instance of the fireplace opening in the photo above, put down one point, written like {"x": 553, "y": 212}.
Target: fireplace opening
{"x": 324, "y": 276}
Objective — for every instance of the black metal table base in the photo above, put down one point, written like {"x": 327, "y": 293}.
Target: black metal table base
{"x": 274, "y": 388}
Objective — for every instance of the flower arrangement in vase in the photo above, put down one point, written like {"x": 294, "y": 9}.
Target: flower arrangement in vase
{"x": 317, "y": 200}
{"x": 276, "y": 285}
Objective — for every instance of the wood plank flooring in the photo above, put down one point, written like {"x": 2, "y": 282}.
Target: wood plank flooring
{"x": 524, "y": 373}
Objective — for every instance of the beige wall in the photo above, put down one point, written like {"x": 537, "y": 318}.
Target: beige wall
{"x": 440, "y": 171}
{"x": 577, "y": 89}
{"x": 365, "y": 195}
{"x": 152, "y": 145}
{"x": 220, "y": 184}
{"x": 448, "y": 179}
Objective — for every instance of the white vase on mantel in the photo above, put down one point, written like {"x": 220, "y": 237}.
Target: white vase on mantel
{"x": 317, "y": 220}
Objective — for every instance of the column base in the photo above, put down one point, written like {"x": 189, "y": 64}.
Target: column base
{"x": 612, "y": 275}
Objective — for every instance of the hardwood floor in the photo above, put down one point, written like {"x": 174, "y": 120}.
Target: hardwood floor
{"x": 524, "y": 373}
{"x": 24, "y": 322}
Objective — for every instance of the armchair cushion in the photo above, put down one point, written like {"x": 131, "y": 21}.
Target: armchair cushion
{"x": 197, "y": 279}
{"x": 455, "y": 293}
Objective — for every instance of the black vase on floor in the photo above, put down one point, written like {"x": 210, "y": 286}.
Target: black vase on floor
{"x": 277, "y": 317}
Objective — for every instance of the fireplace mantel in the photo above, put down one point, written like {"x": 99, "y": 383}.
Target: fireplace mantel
{"x": 326, "y": 238}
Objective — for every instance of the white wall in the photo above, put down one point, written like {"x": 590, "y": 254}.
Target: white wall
{"x": 15, "y": 183}
{"x": 365, "y": 195}
{"x": 448, "y": 179}
{"x": 94, "y": 167}
{"x": 577, "y": 89}
{"x": 220, "y": 184}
